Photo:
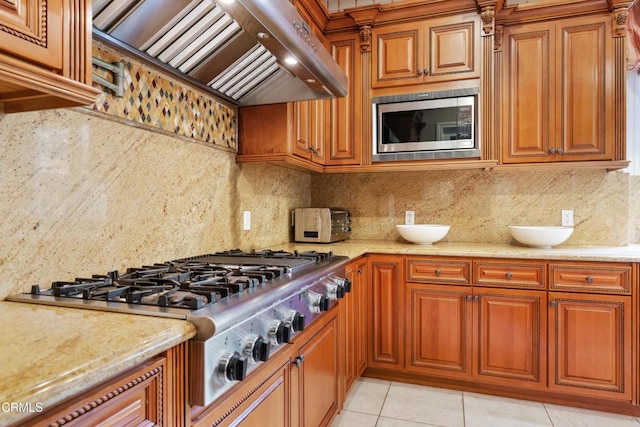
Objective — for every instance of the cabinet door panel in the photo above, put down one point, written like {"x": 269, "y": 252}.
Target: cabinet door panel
{"x": 529, "y": 108}
{"x": 583, "y": 87}
{"x": 32, "y": 29}
{"x": 509, "y": 334}
{"x": 385, "y": 311}
{"x": 302, "y": 112}
{"x": 452, "y": 50}
{"x": 344, "y": 140}
{"x": 590, "y": 345}
{"x": 319, "y": 376}
{"x": 439, "y": 330}
{"x": 396, "y": 57}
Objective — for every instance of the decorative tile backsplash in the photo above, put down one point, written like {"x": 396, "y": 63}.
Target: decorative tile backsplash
{"x": 156, "y": 100}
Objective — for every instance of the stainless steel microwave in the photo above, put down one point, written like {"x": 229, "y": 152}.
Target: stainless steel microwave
{"x": 428, "y": 125}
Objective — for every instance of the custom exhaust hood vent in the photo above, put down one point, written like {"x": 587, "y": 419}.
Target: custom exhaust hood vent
{"x": 248, "y": 51}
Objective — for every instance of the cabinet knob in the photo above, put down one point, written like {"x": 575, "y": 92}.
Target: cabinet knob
{"x": 419, "y": 71}
{"x": 469, "y": 298}
{"x": 476, "y": 298}
{"x": 298, "y": 360}
{"x": 314, "y": 150}
{"x": 437, "y": 271}
{"x": 552, "y": 151}
{"x": 589, "y": 279}
{"x": 560, "y": 151}
{"x": 359, "y": 271}
{"x": 553, "y": 304}
{"x": 509, "y": 275}
{"x": 425, "y": 71}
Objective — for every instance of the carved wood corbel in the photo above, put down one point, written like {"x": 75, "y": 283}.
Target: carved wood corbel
{"x": 497, "y": 38}
{"x": 620, "y": 17}
{"x": 365, "y": 38}
{"x": 488, "y": 20}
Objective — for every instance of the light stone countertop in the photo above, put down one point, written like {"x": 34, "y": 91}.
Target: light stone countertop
{"x": 355, "y": 248}
{"x": 48, "y": 354}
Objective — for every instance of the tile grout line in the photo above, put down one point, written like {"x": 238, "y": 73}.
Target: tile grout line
{"x": 383, "y": 402}
{"x": 548, "y": 414}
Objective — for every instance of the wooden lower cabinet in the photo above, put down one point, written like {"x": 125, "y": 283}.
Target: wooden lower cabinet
{"x": 439, "y": 330}
{"x": 590, "y": 345}
{"x": 510, "y": 337}
{"x": 353, "y": 321}
{"x": 504, "y": 330}
{"x": 316, "y": 383}
{"x": 299, "y": 386}
{"x": 385, "y": 312}
{"x": 488, "y": 335}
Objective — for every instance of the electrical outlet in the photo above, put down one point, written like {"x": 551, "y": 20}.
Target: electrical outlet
{"x": 246, "y": 217}
{"x": 567, "y": 218}
{"x": 409, "y": 217}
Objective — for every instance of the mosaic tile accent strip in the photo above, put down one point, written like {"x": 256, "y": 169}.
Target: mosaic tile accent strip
{"x": 153, "y": 99}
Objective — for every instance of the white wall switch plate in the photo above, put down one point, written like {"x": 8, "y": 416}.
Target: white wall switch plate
{"x": 246, "y": 219}
{"x": 409, "y": 217}
{"x": 567, "y": 218}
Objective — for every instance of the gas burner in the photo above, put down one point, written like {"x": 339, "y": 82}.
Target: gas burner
{"x": 189, "y": 283}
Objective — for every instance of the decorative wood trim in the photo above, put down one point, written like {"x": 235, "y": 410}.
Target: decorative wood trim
{"x": 620, "y": 98}
{"x": 487, "y": 99}
{"x": 413, "y": 166}
{"x": 604, "y": 164}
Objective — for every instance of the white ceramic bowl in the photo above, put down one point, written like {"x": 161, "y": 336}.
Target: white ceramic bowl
{"x": 423, "y": 234}
{"x": 540, "y": 236}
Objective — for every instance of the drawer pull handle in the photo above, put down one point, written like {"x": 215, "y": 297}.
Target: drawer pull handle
{"x": 438, "y": 271}
{"x": 589, "y": 279}
{"x": 509, "y": 275}
{"x": 553, "y": 304}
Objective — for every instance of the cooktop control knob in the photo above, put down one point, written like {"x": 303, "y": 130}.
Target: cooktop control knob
{"x": 257, "y": 349}
{"x": 231, "y": 367}
{"x": 341, "y": 281}
{"x": 317, "y": 302}
{"x": 293, "y": 318}
{"x": 333, "y": 291}
{"x": 279, "y": 332}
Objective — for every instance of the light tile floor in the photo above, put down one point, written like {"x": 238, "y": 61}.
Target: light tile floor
{"x": 378, "y": 403}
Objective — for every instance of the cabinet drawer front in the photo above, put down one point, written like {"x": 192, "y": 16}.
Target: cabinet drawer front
{"x": 437, "y": 271}
{"x": 530, "y": 275}
{"x": 603, "y": 278}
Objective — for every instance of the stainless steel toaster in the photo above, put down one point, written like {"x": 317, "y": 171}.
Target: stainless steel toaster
{"x": 323, "y": 225}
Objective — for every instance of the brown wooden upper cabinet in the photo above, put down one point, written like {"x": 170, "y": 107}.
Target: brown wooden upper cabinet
{"x": 45, "y": 54}
{"x": 428, "y": 51}
{"x": 559, "y": 91}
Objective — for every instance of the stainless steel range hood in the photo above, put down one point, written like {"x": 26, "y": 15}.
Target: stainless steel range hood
{"x": 238, "y": 49}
